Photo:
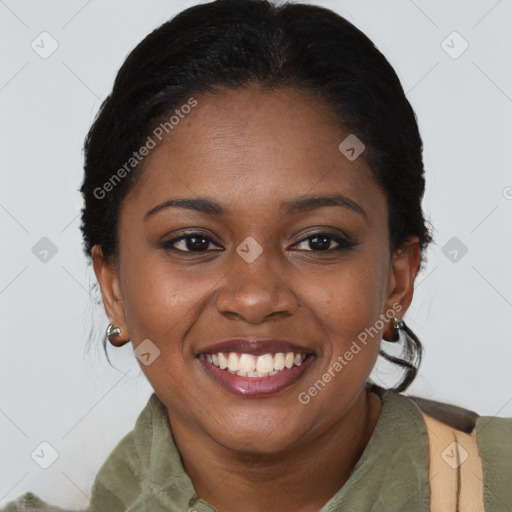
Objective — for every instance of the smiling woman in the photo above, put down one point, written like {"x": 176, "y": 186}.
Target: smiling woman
{"x": 256, "y": 257}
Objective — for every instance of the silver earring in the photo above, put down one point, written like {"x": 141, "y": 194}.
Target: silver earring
{"x": 112, "y": 330}
{"x": 398, "y": 324}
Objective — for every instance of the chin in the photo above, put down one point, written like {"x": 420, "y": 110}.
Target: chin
{"x": 273, "y": 432}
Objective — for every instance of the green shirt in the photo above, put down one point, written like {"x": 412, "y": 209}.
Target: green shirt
{"x": 144, "y": 472}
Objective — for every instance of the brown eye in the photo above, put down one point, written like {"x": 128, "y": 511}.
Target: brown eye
{"x": 322, "y": 242}
{"x": 193, "y": 242}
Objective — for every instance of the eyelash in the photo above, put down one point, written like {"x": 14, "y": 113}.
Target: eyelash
{"x": 344, "y": 244}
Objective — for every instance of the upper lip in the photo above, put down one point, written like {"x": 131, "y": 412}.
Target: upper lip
{"x": 255, "y": 346}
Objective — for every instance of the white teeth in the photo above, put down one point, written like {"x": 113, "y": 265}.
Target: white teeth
{"x": 265, "y": 363}
{"x": 233, "y": 361}
{"x": 249, "y": 365}
{"x": 223, "y": 362}
{"x": 279, "y": 361}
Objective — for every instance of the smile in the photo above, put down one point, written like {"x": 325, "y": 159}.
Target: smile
{"x": 250, "y": 365}
{"x": 256, "y": 375}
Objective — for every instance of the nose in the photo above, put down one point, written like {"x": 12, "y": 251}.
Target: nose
{"x": 255, "y": 291}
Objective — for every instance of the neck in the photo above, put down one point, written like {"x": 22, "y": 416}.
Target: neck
{"x": 306, "y": 476}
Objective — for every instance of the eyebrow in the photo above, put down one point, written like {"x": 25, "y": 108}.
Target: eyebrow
{"x": 290, "y": 207}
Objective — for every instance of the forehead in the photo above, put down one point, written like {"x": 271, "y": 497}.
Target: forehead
{"x": 251, "y": 145}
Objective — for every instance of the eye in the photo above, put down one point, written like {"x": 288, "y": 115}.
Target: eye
{"x": 191, "y": 242}
{"x": 322, "y": 242}
{"x": 317, "y": 242}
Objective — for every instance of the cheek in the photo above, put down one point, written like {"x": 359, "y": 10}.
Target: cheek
{"x": 161, "y": 306}
{"x": 348, "y": 298}
{"x": 346, "y": 305}
{"x": 158, "y": 302}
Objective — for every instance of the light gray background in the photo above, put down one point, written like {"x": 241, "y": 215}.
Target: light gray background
{"x": 53, "y": 390}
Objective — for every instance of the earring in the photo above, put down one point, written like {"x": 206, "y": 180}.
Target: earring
{"x": 112, "y": 330}
{"x": 398, "y": 324}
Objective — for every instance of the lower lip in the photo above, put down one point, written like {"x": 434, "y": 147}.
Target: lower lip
{"x": 256, "y": 386}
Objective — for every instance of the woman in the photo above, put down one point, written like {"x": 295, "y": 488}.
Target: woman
{"x": 253, "y": 192}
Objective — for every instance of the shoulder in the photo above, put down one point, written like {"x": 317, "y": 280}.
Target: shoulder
{"x": 29, "y": 501}
{"x": 493, "y": 436}
{"x": 118, "y": 473}
{"x": 119, "y": 480}
{"x": 494, "y": 440}
{"x": 492, "y": 432}
{"x": 118, "y": 476}
{"x": 452, "y": 415}
{"x": 495, "y": 432}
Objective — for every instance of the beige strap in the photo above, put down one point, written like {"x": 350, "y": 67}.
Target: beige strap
{"x": 455, "y": 471}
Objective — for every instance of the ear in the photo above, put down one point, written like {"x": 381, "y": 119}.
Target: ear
{"x": 404, "y": 266}
{"x": 108, "y": 279}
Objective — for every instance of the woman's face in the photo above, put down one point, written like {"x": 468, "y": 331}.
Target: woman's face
{"x": 262, "y": 262}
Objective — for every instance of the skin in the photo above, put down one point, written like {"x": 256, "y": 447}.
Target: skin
{"x": 250, "y": 149}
